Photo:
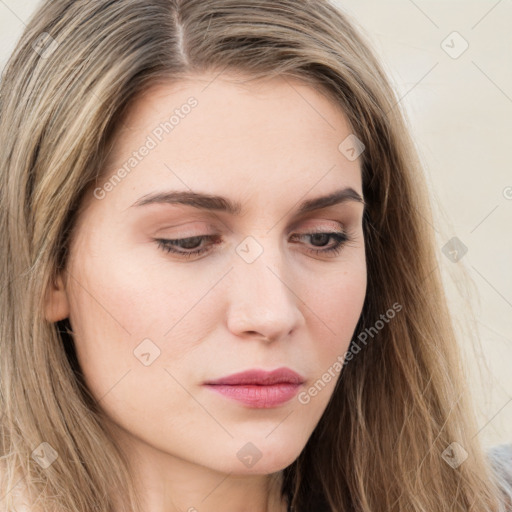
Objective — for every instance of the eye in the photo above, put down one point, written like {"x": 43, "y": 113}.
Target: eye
{"x": 191, "y": 244}
{"x": 320, "y": 239}
{"x": 195, "y": 246}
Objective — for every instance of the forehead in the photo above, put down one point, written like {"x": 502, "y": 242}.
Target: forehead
{"x": 225, "y": 134}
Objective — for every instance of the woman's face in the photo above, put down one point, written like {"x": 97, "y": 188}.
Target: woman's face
{"x": 152, "y": 326}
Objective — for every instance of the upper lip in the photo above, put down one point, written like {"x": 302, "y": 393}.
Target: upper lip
{"x": 257, "y": 377}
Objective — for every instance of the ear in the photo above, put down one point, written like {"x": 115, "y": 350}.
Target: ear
{"x": 57, "y": 305}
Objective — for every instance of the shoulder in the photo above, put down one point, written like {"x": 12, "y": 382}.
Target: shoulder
{"x": 500, "y": 457}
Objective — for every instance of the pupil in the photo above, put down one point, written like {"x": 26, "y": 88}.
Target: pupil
{"x": 191, "y": 243}
{"x": 319, "y": 237}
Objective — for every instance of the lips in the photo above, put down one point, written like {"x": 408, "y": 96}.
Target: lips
{"x": 259, "y": 388}
{"x": 260, "y": 378}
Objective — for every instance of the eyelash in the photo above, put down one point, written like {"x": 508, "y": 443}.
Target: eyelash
{"x": 342, "y": 239}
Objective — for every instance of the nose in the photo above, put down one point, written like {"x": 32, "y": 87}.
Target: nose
{"x": 262, "y": 299}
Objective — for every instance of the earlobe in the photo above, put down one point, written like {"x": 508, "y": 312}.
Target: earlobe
{"x": 57, "y": 306}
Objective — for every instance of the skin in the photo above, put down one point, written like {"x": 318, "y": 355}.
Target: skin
{"x": 268, "y": 144}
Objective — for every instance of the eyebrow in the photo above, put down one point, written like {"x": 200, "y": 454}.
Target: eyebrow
{"x": 223, "y": 204}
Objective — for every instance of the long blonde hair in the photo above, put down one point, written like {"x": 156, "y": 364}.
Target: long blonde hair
{"x": 398, "y": 405}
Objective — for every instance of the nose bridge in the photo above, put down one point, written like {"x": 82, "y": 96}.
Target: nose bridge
{"x": 260, "y": 296}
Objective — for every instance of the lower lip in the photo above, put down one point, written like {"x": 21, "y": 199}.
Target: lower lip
{"x": 261, "y": 397}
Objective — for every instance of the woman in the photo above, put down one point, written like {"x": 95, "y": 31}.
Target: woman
{"x": 218, "y": 290}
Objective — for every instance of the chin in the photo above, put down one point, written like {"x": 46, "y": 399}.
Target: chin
{"x": 262, "y": 457}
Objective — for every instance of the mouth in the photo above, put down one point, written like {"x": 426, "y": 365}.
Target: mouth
{"x": 259, "y": 388}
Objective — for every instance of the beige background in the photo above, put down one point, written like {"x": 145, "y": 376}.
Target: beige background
{"x": 460, "y": 108}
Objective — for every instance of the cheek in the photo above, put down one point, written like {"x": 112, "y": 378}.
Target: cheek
{"x": 338, "y": 301}
{"x": 344, "y": 303}
{"x": 125, "y": 366}
{"x": 338, "y": 304}
{"x": 124, "y": 312}
{"x": 135, "y": 295}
